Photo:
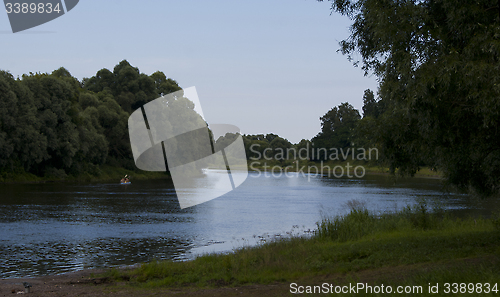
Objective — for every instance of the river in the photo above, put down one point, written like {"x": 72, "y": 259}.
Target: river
{"x": 53, "y": 228}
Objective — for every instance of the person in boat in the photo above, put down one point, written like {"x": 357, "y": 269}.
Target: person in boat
{"x": 125, "y": 180}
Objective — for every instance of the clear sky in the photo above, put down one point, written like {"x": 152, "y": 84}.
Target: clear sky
{"x": 266, "y": 66}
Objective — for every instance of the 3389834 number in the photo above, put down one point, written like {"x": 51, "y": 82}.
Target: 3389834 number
{"x": 32, "y": 8}
{"x": 478, "y": 288}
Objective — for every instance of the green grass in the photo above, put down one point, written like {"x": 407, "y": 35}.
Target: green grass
{"x": 111, "y": 173}
{"x": 335, "y": 168}
{"x": 19, "y": 176}
{"x": 416, "y": 243}
{"x": 101, "y": 173}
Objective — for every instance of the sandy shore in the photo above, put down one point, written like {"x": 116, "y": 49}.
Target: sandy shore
{"x": 85, "y": 283}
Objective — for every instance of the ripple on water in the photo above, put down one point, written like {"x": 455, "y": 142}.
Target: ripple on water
{"x": 26, "y": 260}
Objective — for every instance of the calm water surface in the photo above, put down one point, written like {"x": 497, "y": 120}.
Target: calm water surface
{"x": 60, "y": 227}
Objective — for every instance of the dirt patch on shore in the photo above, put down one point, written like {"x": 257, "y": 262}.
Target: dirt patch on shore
{"x": 89, "y": 283}
{"x": 85, "y": 283}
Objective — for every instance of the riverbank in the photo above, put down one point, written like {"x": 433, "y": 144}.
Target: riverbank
{"x": 339, "y": 169}
{"x": 88, "y": 283}
{"x": 104, "y": 173}
{"x": 414, "y": 248}
{"x": 107, "y": 173}
{"x": 429, "y": 245}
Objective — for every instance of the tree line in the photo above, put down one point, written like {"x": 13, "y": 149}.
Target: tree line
{"x": 54, "y": 125}
{"x": 343, "y": 132}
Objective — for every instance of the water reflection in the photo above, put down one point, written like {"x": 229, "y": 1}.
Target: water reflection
{"x": 50, "y": 257}
{"x": 59, "y": 227}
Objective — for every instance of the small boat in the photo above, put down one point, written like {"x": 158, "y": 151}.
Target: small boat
{"x": 125, "y": 180}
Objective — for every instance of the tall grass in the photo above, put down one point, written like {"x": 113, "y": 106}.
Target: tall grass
{"x": 358, "y": 241}
{"x": 360, "y": 222}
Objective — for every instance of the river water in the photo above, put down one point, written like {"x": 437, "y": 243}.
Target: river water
{"x": 55, "y": 228}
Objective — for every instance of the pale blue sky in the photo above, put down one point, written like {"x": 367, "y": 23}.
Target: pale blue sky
{"x": 266, "y": 66}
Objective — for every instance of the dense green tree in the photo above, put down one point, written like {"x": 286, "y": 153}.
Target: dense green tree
{"x": 94, "y": 148}
{"x": 164, "y": 85}
{"x": 270, "y": 137}
{"x": 367, "y": 134}
{"x": 103, "y": 80}
{"x": 255, "y": 146}
{"x": 129, "y": 87}
{"x": 117, "y": 95}
{"x": 266, "y": 146}
{"x": 8, "y": 113}
{"x": 438, "y": 66}
{"x": 303, "y": 143}
{"x": 54, "y": 125}
{"x": 337, "y": 128}
{"x": 256, "y": 137}
{"x": 53, "y": 98}
{"x": 63, "y": 74}
{"x": 113, "y": 120}
{"x": 369, "y": 104}
{"x": 279, "y": 148}
{"x": 21, "y": 144}
{"x": 87, "y": 99}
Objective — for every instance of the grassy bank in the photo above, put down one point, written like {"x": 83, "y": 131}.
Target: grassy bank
{"x": 114, "y": 173}
{"x": 412, "y": 247}
{"x": 104, "y": 173}
{"x": 332, "y": 168}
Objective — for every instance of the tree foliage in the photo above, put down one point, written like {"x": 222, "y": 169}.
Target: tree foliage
{"x": 270, "y": 146}
{"x": 54, "y": 125}
{"x": 337, "y": 128}
{"x": 437, "y": 62}
{"x": 370, "y": 107}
